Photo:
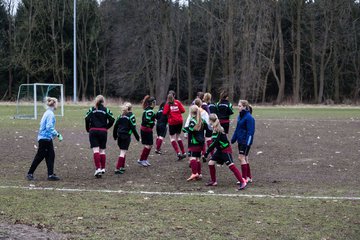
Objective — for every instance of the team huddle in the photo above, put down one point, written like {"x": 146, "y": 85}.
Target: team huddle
{"x": 206, "y": 129}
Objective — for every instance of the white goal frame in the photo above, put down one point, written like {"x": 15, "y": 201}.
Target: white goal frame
{"x": 35, "y": 100}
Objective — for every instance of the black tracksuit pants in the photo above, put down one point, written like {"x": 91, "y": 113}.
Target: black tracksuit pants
{"x": 45, "y": 150}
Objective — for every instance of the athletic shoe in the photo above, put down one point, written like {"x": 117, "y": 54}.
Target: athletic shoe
{"x": 30, "y": 177}
{"x": 245, "y": 180}
{"x": 242, "y": 186}
{"x": 147, "y": 163}
{"x": 199, "y": 177}
{"x": 103, "y": 171}
{"x": 98, "y": 173}
{"x": 119, "y": 171}
{"x": 142, "y": 163}
{"x": 181, "y": 156}
{"x": 249, "y": 180}
{"x": 211, "y": 183}
{"x": 158, "y": 151}
{"x": 193, "y": 177}
{"x": 53, "y": 177}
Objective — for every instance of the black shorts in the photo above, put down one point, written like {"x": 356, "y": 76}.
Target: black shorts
{"x": 244, "y": 149}
{"x": 123, "y": 141}
{"x": 221, "y": 158}
{"x": 226, "y": 127}
{"x": 194, "y": 154}
{"x": 175, "y": 129}
{"x": 97, "y": 139}
{"x": 161, "y": 130}
{"x": 147, "y": 138}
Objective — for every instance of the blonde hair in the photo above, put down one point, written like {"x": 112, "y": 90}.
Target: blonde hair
{"x": 99, "y": 100}
{"x": 125, "y": 108}
{"x": 198, "y": 102}
{"x": 51, "y": 102}
{"x": 246, "y": 104}
{"x": 195, "y": 111}
{"x": 207, "y": 97}
{"x": 216, "y": 123}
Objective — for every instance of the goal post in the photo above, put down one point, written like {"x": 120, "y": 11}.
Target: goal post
{"x": 30, "y": 102}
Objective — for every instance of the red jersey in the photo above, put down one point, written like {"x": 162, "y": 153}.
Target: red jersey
{"x": 174, "y": 111}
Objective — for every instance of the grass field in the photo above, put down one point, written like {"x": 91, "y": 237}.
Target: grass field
{"x": 306, "y": 183}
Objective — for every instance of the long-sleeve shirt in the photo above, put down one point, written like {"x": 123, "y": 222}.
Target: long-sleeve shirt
{"x": 148, "y": 119}
{"x": 47, "y": 125}
{"x": 220, "y": 142}
{"x": 196, "y": 138}
{"x": 174, "y": 111}
{"x": 224, "y": 110}
{"x": 245, "y": 129}
{"x": 99, "y": 119}
{"x": 126, "y": 125}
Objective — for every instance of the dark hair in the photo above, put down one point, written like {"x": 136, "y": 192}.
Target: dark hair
{"x": 170, "y": 98}
{"x": 223, "y": 94}
{"x": 172, "y": 92}
{"x": 147, "y": 101}
{"x": 200, "y": 95}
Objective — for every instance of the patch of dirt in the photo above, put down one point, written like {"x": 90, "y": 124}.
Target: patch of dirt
{"x": 302, "y": 157}
{"x": 25, "y": 232}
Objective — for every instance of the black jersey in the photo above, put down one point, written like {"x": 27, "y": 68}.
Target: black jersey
{"x": 196, "y": 137}
{"x": 101, "y": 117}
{"x": 224, "y": 110}
{"x": 220, "y": 142}
{"x": 148, "y": 118}
{"x": 212, "y": 108}
{"x": 125, "y": 125}
{"x": 161, "y": 119}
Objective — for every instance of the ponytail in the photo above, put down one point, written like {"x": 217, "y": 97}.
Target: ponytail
{"x": 99, "y": 100}
{"x": 144, "y": 102}
{"x": 216, "y": 123}
{"x": 147, "y": 101}
{"x": 194, "y": 110}
{"x": 51, "y": 102}
{"x": 170, "y": 98}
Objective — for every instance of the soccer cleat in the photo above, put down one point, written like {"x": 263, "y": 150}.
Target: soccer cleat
{"x": 211, "y": 183}
{"x": 181, "y": 156}
{"x": 117, "y": 171}
{"x": 30, "y": 177}
{"x": 242, "y": 186}
{"x": 98, "y": 173}
{"x": 158, "y": 151}
{"x": 199, "y": 177}
{"x": 142, "y": 163}
{"x": 249, "y": 180}
{"x": 147, "y": 163}
{"x": 53, "y": 177}
{"x": 193, "y": 177}
{"x": 245, "y": 180}
{"x": 103, "y": 171}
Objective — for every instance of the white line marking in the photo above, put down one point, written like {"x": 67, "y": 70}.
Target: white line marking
{"x": 182, "y": 193}
{"x": 308, "y": 120}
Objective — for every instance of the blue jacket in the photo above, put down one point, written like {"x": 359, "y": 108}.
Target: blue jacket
{"x": 47, "y": 125}
{"x": 245, "y": 129}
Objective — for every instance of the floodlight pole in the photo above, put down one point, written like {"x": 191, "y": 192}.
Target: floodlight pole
{"x": 75, "y": 70}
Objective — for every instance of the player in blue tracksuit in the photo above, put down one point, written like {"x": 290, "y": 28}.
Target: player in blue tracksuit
{"x": 244, "y": 135}
{"x": 45, "y": 138}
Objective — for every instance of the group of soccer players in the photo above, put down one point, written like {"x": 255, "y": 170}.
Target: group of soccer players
{"x": 206, "y": 129}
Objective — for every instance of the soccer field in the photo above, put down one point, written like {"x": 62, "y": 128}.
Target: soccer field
{"x": 304, "y": 162}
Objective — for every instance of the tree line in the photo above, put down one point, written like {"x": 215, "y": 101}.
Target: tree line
{"x": 262, "y": 50}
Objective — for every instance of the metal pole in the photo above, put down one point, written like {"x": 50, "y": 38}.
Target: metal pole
{"x": 75, "y": 98}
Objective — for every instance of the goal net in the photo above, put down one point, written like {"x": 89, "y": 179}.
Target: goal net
{"x": 31, "y": 99}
